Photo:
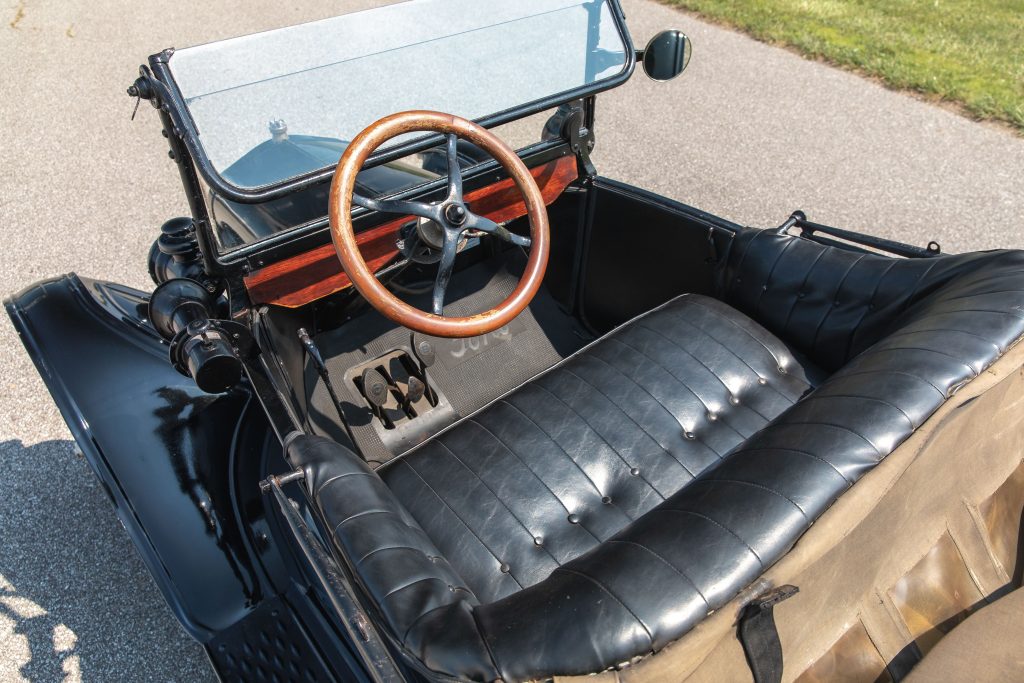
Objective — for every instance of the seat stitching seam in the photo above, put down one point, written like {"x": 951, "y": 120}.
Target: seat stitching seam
{"x": 836, "y": 378}
{"x": 614, "y": 597}
{"x": 362, "y": 513}
{"x": 837, "y": 426}
{"x": 719, "y": 525}
{"x": 747, "y": 332}
{"x": 531, "y": 470}
{"x": 457, "y": 515}
{"x": 655, "y": 398}
{"x": 768, "y": 278}
{"x": 867, "y": 309}
{"x": 794, "y": 450}
{"x": 817, "y": 396}
{"x": 828, "y": 313}
{"x": 496, "y": 497}
{"x": 882, "y": 349}
{"x": 713, "y": 373}
{"x": 418, "y": 619}
{"x": 758, "y": 486}
{"x": 681, "y": 383}
{"x": 971, "y": 296}
{"x": 980, "y": 310}
{"x": 389, "y": 547}
{"x": 337, "y": 477}
{"x": 630, "y": 418}
{"x": 599, "y": 435}
{"x": 732, "y": 283}
{"x": 735, "y": 355}
{"x": 917, "y": 285}
{"x": 796, "y": 299}
{"x": 672, "y": 566}
{"x": 906, "y": 333}
{"x": 483, "y": 639}
{"x": 413, "y": 583}
{"x": 564, "y": 452}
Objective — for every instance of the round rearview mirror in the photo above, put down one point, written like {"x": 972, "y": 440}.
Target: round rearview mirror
{"x": 667, "y": 55}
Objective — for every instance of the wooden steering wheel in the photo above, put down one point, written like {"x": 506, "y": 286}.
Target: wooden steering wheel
{"x": 451, "y": 214}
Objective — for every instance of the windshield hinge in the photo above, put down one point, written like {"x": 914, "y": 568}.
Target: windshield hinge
{"x": 581, "y": 141}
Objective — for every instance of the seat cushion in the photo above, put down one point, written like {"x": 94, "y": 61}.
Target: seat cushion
{"x": 548, "y": 472}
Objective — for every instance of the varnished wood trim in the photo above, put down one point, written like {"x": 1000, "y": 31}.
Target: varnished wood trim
{"x": 302, "y": 279}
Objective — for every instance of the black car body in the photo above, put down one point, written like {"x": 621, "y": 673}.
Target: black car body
{"x": 210, "y": 417}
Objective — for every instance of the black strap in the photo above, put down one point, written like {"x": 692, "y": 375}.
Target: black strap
{"x": 760, "y": 638}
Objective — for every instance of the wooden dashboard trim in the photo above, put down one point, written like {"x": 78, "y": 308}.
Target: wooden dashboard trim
{"x": 302, "y": 279}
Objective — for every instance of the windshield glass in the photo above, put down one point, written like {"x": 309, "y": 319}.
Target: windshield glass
{"x": 321, "y": 83}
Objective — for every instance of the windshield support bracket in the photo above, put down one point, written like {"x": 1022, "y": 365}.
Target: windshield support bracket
{"x": 581, "y": 140}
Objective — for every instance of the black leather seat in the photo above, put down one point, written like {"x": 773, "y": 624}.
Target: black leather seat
{"x": 603, "y": 509}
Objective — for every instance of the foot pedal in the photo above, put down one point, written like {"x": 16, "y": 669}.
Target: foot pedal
{"x": 375, "y": 387}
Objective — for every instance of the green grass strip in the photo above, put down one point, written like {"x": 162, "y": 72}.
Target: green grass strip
{"x": 970, "y": 52}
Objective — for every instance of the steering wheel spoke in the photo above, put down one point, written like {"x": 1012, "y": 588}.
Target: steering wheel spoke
{"x": 449, "y": 251}
{"x": 454, "y": 170}
{"x": 399, "y": 206}
{"x": 488, "y": 226}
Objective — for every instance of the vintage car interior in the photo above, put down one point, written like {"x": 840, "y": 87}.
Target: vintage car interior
{"x": 526, "y": 422}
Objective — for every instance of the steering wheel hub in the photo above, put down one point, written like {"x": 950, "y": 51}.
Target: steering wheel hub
{"x": 456, "y": 214}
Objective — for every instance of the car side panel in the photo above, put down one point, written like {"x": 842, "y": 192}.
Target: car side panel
{"x": 161, "y": 447}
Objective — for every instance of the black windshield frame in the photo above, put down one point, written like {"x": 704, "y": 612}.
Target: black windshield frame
{"x": 171, "y": 98}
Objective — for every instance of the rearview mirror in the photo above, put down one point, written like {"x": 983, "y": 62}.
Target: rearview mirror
{"x": 666, "y": 55}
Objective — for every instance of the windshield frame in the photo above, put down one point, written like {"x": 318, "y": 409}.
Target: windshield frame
{"x": 171, "y": 97}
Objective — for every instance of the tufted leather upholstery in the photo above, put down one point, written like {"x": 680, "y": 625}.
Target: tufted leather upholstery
{"x": 602, "y": 510}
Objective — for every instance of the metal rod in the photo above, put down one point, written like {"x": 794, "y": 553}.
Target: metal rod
{"x": 317, "y": 359}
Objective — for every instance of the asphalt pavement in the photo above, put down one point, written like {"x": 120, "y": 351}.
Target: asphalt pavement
{"x": 750, "y": 132}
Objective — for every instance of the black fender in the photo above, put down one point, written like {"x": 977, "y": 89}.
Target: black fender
{"x": 172, "y": 459}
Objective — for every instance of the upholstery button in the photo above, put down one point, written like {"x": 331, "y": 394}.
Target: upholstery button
{"x": 734, "y": 400}
{"x": 712, "y": 417}
{"x": 782, "y": 370}
{"x": 801, "y": 295}
{"x": 690, "y": 436}
{"x": 762, "y": 381}
{"x": 607, "y": 500}
{"x": 635, "y": 471}
{"x": 835, "y": 303}
{"x": 505, "y": 569}
{"x": 574, "y": 519}
{"x": 538, "y": 541}
{"x": 764, "y": 288}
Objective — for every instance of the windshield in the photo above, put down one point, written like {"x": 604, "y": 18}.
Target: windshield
{"x": 321, "y": 83}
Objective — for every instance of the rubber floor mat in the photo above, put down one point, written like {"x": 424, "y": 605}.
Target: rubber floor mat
{"x": 469, "y": 372}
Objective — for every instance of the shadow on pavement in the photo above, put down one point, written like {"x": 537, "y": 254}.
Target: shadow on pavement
{"x": 76, "y": 602}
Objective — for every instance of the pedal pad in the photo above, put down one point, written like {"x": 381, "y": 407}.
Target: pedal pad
{"x": 416, "y": 390}
{"x": 375, "y": 387}
{"x": 425, "y": 352}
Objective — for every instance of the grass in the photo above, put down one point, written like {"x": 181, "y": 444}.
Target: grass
{"x": 968, "y": 52}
